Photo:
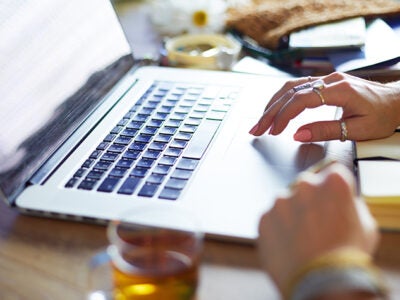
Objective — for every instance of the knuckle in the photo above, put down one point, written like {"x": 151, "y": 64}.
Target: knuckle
{"x": 337, "y": 76}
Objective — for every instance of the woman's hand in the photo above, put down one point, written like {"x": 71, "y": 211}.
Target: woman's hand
{"x": 320, "y": 214}
{"x": 371, "y": 110}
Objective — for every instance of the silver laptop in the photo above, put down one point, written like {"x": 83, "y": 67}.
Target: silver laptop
{"x": 86, "y": 134}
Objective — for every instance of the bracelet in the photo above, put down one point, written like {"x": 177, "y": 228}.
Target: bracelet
{"x": 341, "y": 270}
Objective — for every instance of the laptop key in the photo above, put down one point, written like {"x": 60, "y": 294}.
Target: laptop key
{"x": 71, "y": 183}
{"x": 95, "y": 154}
{"x": 143, "y": 138}
{"x": 135, "y": 125}
{"x": 181, "y": 174}
{"x": 125, "y": 163}
{"x": 116, "y": 148}
{"x": 145, "y": 162}
{"x": 131, "y": 154}
{"x": 137, "y": 146}
{"x": 123, "y": 140}
{"x": 102, "y": 146}
{"x": 109, "y": 138}
{"x": 148, "y": 130}
{"x": 108, "y": 184}
{"x": 129, "y": 186}
{"x": 180, "y": 144}
{"x": 116, "y": 129}
{"x": 157, "y": 146}
{"x": 95, "y": 175}
{"x": 87, "y": 184}
{"x": 201, "y": 139}
{"x": 152, "y": 154}
{"x": 139, "y": 172}
{"x": 187, "y": 164}
{"x": 170, "y": 194}
{"x": 109, "y": 156}
{"x": 161, "y": 169}
{"x": 80, "y": 172}
{"x": 173, "y": 152}
{"x": 118, "y": 172}
{"x": 88, "y": 163}
{"x": 216, "y": 115}
{"x": 167, "y": 160}
{"x": 148, "y": 190}
{"x": 102, "y": 165}
{"x": 175, "y": 183}
{"x": 130, "y": 132}
{"x": 155, "y": 178}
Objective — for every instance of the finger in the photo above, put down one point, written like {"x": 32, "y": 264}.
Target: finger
{"x": 268, "y": 116}
{"x": 369, "y": 224}
{"x": 334, "y": 95}
{"x": 341, "y": 175}
{"x": 292, "y": 108}
{"x": 292, "y": 98}
{"x": 353, "y": 128}
{"x": 288, "y": 88}
{"x": 319, "y": 131}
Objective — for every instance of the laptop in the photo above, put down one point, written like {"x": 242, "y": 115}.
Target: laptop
{"x": 86, "y": 133}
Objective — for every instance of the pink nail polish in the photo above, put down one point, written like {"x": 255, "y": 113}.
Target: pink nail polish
{"x": 254, "y": 129}
{"x": 303, "y": 135}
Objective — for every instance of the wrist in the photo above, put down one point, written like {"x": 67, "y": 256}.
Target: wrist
{"x": 341, "y": 271}
{"x": 395, "y": 99}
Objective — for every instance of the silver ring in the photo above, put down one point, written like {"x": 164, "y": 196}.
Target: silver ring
{"x": 303, "y": 86}
{"x": 317, "y": 87}
{"x": 343, "y": 131}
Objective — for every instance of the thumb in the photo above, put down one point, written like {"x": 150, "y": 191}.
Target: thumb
{"x": 319, "y": 131}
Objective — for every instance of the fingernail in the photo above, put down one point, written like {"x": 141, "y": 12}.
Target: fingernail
{"x": 254, "y": 129}
{"x": 303, "y": 135}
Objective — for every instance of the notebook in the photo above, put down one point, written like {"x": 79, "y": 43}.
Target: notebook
{"x": 87, "y": 134}
{"x": 378, "y": 168}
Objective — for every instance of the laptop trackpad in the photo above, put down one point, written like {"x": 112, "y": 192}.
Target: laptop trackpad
{"x": 280, "y": 155}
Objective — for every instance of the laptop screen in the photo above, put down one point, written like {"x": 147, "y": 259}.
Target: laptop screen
{"x": 57, "y": 61}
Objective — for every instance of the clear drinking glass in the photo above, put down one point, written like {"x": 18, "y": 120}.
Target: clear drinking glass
{"x": 154, "y": 253}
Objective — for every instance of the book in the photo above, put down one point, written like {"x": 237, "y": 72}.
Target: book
{"x": 343, "y": 34}
{"x": 378, "y": 168}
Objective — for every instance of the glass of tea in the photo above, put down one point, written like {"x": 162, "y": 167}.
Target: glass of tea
{"x": 154, "y": 253}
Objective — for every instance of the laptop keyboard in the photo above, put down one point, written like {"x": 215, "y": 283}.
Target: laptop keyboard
{"x": 155, "y": 148}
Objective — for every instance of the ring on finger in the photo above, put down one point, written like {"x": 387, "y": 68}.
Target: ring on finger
{"x": 303, "y": 86}
{"x": 300, "y": 87}
{"x": 317, "y": 87}
{"x": 343, "y": 131}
